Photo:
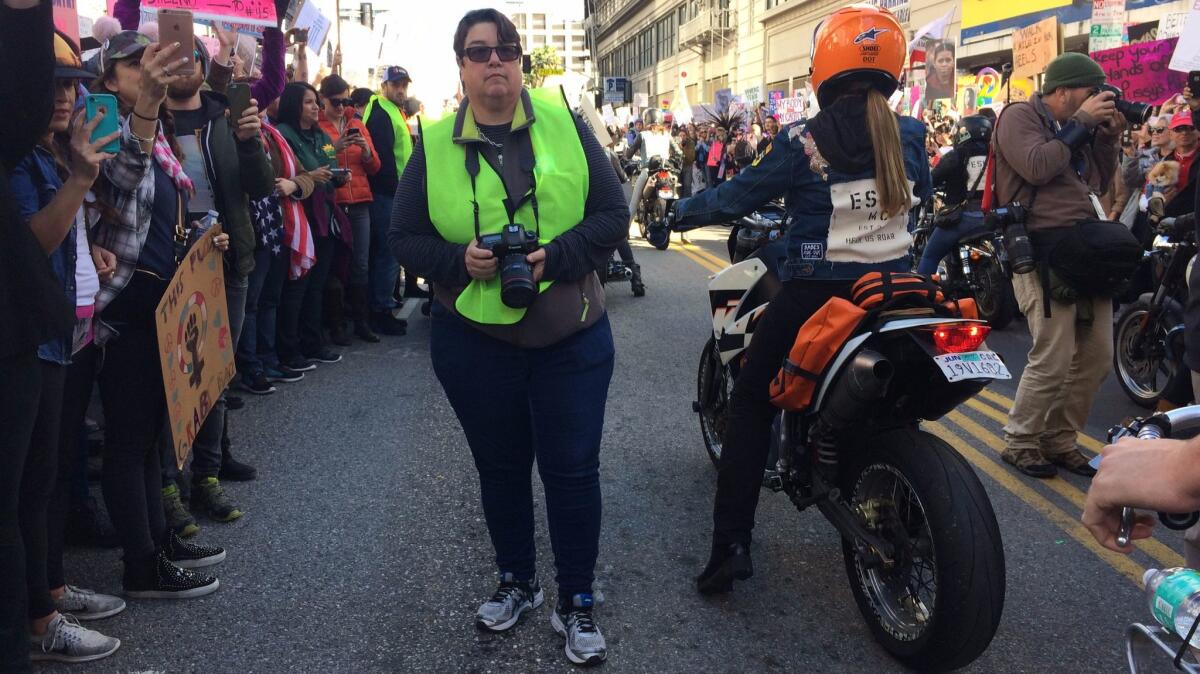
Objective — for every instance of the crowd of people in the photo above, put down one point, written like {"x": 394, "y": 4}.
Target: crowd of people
{"x": 301, "y": 183}
{"x": 305, "y": 184}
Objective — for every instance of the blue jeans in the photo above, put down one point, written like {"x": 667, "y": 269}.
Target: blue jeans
{"x": 516, "y": 404}
{"x": 943, "y": 240}
{"x": 248, "y": 362}
{"x": 268, "y": 310}
{"x": 383, "y": 267}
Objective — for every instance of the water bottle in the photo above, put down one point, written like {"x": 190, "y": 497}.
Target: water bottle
{"x": 203, "y": 226}
{"x": 1174, "y": 596}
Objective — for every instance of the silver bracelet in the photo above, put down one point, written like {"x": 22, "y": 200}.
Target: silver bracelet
{"x": 139, "y": 138}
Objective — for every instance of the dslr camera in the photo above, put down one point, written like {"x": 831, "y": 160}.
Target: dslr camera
{"x": 1011, "y": 220}
{"x": 1135, "y": 113}
{"x": 510, "y": 246}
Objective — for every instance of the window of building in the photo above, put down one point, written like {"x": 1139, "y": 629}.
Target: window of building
{"x": 519, "y": 21}
{"x": 539, "y": 40}
{"x": 665, "y": 33}
{"x": 560, "y": 42}
{"x": 774, "y": 3}
{"x": 539, "y": 21}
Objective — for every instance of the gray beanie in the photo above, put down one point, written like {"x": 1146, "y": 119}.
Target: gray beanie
{"x": 1072, "y": 70}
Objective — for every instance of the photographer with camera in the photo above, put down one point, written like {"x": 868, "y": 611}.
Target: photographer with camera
{"x": 1053, "y": 156}
{"x": 509, "y": 207}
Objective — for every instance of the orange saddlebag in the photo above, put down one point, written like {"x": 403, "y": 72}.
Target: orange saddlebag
{"x": 816, "y": 345}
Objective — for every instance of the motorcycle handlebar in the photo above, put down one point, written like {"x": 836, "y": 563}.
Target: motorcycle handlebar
{"x": 1184, "y": 421}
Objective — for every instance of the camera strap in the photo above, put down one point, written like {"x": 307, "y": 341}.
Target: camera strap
{"x": 472, "y": 164}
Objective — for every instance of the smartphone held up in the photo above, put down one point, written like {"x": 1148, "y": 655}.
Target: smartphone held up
{"x": 177, "y": 25}
{"x": 105, "y": 107}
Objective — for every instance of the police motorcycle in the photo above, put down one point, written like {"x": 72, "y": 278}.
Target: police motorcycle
{"x": 1148, "y": 341}
{"x": 660, "y": 170}
{"x": 920, "y": 543}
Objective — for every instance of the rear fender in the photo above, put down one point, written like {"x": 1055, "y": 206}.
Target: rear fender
{"x": 728, "y": 288}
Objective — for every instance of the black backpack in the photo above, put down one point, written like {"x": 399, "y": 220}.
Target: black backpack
{"x": 1095, "y": 257}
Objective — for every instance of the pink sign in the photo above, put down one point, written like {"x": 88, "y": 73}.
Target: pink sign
{"x": 1140, "y": 71}
{"x": 256, "y": 12}
{"x": 66, "y": 18}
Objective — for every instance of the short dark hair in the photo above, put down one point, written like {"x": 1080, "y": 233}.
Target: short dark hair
{"x": 505, "y": 30}
{"x": 333, "y": 84}
{"x": 361, "y": 96}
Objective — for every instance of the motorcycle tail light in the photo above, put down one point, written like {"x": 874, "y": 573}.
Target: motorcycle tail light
{"x": 959, "y": 337}
{"x": 664, "y": 175}
{"x": 975, "y": 255}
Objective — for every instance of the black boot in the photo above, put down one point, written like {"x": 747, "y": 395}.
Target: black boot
{"x": 334, "y": 313}
{"x": 412, "y": 289}
{"x": 357, "y": 296}
{"x": 232, "y": 469}
{"x": 726, "y": 563}
{"x": 635, "y": 282}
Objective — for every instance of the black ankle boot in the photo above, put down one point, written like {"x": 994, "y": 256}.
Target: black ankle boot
{"x": 725, "y": 563}
{"x": 635, "y": 283}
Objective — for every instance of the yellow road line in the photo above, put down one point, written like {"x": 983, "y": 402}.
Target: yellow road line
{"x": 697, "y": 259}
{"x": 1005, "y": 404}
{"x": 704, "y": 254}
{"x": 1069, "y": 525}
{"x": 1150, "y": 546}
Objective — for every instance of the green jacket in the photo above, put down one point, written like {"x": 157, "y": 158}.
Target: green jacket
{"x": 313, "y": 148}
{"x": 238, "y": 171}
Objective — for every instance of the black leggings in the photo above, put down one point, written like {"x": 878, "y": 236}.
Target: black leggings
{"x": 748, "y": 434}
{"x": 77, "y": 393}
{"x": 131, "y": 390}
{"x": 20, "y": 386}
{"x": 38, "y": 483}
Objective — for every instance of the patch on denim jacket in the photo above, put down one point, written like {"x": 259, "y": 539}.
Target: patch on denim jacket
{"x": 812, "y": 251}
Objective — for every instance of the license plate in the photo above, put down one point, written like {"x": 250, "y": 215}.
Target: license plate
{"x": 972, "y": 365}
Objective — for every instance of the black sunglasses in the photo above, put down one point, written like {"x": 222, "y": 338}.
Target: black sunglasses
{"x": 481, "y": 54}
{"x": 1184, "y": 129}
{"x": 1155, "y": 130}
{"x": 341, "y": 102}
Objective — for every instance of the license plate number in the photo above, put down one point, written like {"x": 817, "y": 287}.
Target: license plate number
{"x": 972, "y": 365}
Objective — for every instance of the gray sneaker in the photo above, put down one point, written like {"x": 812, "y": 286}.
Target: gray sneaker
{"x": 585, "y": 644}
{"x": 88, "y": 605}
{"x": 66, "y": 640}
{"x": 505, "y": 607}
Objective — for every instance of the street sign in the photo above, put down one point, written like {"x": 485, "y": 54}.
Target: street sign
{"x": 616, "y": 90}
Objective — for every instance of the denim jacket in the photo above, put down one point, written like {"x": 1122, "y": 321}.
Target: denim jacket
{"x": 836, "y": 231}
{"x": 34, "y": 182}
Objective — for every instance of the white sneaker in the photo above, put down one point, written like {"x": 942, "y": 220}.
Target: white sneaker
{"x": 66, "y": 640}
{"x": 88, "y": 605}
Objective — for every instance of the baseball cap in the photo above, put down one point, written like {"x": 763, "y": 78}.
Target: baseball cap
{"x": 396, "y": 74}
{"x": 123, "y": 45}
{"x": 1182, "y": 118}
{"x": 67, "y": 65}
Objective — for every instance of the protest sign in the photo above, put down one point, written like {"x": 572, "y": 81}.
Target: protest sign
{"x": 195, "y": 345}
{"x": 1187, "y": 52}
{"x": 773, "y": 98}
{"x": 790, "y": 109}
{"x": 66, "y": 18}
{"x": 146, "y": 16}
{"x": 256, "y": 12}
{"x": 723, "y": 98}
{"x": 312, "y": 18}
{"x": 1171, "y": 25}
{"x": 1108, "y": 25}
{"x": 594, "y": 121}
{"x": 1140, "y": 71}
{"x": 1034, "y": 47}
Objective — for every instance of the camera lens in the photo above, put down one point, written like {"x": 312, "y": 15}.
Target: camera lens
{"x": 1135, "y": 113}
{"x": 517, "y": 289}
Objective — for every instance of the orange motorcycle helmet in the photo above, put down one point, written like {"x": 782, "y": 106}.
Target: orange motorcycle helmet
{"x": 857, "y": 43}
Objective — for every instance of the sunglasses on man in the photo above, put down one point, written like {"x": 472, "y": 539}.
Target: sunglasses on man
{"x": 482, "y": 54}
{"x": 1184, "y": 129}
{"x": 341, "y": 102}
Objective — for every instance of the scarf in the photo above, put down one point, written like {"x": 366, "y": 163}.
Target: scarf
{"x": 296, "y": 231}
{"x": 170, "y": 164}
{"x": 840, "y": 133}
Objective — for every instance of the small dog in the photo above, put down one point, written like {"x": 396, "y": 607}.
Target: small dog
{"x": 1164, "y": 174}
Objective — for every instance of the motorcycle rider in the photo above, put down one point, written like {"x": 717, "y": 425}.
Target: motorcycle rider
{"x": 623, "y": 248}
{"x": 960, "y": 172}
{"x": 850, "y": 175}
{"x": 654, "y": 141}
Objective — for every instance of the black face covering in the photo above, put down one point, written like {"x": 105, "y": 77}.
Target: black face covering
{"x": 840, "y": 131}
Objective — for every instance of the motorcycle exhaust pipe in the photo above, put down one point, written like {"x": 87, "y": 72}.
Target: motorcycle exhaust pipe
{"x": 861, "y": 385}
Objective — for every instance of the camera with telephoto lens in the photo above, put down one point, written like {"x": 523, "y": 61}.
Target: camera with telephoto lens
{"x": 1011, "y": 219}
{"x": 510, "y": 246}
{"x": 1135, "y": 113}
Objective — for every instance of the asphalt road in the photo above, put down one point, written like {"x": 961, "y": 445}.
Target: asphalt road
{"x": 364, "y": 548}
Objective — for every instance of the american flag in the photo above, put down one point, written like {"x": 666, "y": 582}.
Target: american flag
{"x": 296, "y": 230}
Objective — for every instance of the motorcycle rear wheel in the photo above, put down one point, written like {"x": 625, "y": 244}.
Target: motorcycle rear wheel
{"x": 713, "y": 387}
{"x": 938, "y": 604}
{"x": 994, "y": 297}
{"x": 1142, "y": 371}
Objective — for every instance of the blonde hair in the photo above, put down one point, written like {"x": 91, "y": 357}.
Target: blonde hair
{"x": 895, "y": 196}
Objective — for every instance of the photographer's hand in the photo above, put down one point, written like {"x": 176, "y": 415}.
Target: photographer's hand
{"x": 481, "y": 264}
{"x": 1097, "y": 109}
{"x": 1193, "y": 99}
{"x": 538, "y": 259}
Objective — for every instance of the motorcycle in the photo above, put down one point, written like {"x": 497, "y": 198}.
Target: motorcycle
{"x": 653, "y": 213}
{"x": 977, "y": 267}
{"x": 920, "y": 542}
{"x": 1148, "y": 337}
{"x": 751, "y": 233}
{"x": 619, "y": 272}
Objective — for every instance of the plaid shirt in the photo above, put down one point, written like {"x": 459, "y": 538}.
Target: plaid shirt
{"x": 130, "y": 190}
